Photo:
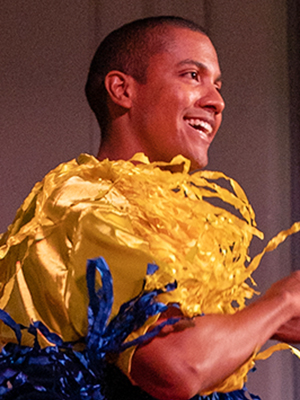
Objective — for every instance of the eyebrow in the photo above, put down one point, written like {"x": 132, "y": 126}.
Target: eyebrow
{"x": 199, "y": 65}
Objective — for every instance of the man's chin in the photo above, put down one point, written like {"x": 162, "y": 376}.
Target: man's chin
{"x": 198, "y": 162}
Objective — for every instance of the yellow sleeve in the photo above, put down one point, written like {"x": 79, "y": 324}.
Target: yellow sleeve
{"x": 67, "y": 219}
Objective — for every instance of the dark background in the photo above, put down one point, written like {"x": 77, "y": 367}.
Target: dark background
{"x": 293, "y": 30}
{"x": 46, "y": 48}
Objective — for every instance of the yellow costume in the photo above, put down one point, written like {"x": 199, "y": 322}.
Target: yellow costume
{"x": 131, "y": 213}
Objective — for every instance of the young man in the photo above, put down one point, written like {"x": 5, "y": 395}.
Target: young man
{"x": 154, "y": 86}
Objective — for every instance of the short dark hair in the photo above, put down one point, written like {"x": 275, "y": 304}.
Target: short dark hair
{"x": 128, "y": 49}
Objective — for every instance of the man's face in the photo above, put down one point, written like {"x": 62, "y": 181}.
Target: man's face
{"x": 179, "y": 109}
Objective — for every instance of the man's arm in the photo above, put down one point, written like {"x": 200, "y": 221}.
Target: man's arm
{"x": 197, "y": 355}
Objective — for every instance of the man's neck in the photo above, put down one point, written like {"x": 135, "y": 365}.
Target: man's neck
{"x": 119, "y": 145}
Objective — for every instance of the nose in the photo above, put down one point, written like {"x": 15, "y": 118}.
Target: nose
{"x": 212, "y": 100}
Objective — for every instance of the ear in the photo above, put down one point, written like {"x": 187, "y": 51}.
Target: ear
{"x": 119, "y": 87}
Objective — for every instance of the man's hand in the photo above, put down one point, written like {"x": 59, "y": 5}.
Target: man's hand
{"x": 288, "y": 289}
{"x": 289, "y": 332}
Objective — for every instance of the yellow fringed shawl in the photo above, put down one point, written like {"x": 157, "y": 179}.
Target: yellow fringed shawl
{"x": 131, "y": 213}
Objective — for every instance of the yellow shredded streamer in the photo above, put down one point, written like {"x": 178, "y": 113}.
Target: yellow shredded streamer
{"x": 131, "y": 213}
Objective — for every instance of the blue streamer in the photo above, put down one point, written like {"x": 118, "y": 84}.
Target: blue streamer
{"x": 60, "y": 372}
{"x": 151, "y": 269}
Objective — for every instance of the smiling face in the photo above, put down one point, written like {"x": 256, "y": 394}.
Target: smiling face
{"x": 179, "y": 109}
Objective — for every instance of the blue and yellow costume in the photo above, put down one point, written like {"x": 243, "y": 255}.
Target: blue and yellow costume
{"x": 134, "y": 214}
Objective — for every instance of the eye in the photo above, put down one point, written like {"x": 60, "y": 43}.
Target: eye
{"x": 191, "y": 75}
{"x": 194, "y": 75}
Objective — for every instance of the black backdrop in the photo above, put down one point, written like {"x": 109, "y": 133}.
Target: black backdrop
{"x": 294, "y": 78}
{"x": 293, "y": 31}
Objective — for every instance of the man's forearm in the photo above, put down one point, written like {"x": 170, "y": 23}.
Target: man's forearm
{"x": 181, "y": 363}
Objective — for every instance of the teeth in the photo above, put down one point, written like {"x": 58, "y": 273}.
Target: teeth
{"x": 199, "y": 124}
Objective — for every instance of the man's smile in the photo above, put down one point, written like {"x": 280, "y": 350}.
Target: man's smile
{"x": 200, "y": 125}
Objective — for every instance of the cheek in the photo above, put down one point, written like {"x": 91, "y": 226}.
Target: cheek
{"x": 173, "y": 106}
{"x": 184, "y": 98}
{"x": 193, "y": 96}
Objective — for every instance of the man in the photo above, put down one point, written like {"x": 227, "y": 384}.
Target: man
{"x": 175, "y": 107}
{"x": 154, "y": 86}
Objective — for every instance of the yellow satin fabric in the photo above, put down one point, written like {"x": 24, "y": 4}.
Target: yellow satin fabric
{"x": 131, "y": 213}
